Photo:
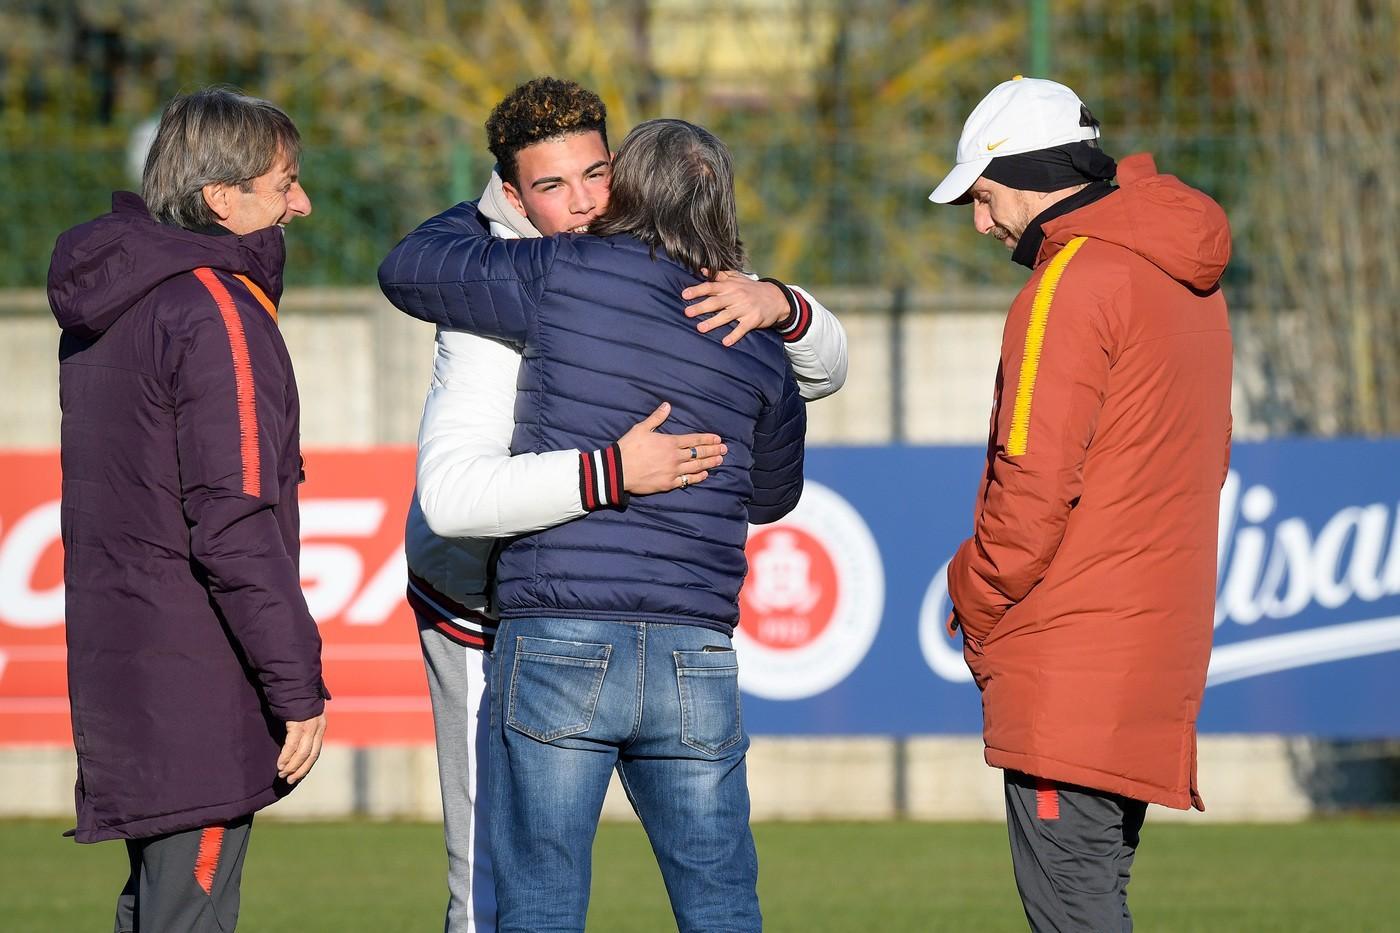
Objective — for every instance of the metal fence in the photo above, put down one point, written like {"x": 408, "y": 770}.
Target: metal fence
{"x": 842, "y": 115}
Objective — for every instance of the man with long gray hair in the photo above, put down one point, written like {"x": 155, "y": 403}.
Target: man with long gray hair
{"x": 194, "y": 667}
{"x": 614, "y": 648}
{"x": 553, "y": 175}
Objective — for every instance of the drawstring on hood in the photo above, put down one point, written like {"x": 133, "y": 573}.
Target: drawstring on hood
{"x": 496, "y": 207}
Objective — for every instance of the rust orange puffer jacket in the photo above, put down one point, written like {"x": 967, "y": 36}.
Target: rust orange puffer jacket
{"x": 1085, "y": 594}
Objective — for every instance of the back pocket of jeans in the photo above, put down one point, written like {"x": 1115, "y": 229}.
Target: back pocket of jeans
{"x": 554, "y": 686}
{"x": 711, "y": 720}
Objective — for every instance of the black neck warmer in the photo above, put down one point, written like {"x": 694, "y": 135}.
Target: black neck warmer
{"x": 1028, "y": 247}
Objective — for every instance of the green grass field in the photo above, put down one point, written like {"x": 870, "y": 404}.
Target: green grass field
{"x": 1333, "y": 875}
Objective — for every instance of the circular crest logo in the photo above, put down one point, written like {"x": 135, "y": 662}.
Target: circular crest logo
{"x": 812, "y": 602}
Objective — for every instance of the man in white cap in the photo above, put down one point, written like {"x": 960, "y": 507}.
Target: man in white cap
{"x": 1085, "y": 593}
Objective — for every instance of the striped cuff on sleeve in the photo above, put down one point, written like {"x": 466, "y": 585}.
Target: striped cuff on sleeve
{"x": 799, "y": 319}
{"x": 600, "y": 479}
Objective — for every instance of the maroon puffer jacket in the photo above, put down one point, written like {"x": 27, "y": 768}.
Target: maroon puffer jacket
{"x": 189, "y": 641}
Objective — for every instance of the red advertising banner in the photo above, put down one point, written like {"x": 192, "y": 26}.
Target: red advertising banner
{"x": 352, "y": 515}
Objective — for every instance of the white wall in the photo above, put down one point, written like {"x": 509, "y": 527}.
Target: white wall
{"x": 362, "y": 368}
{"x": 1243, "y": 779}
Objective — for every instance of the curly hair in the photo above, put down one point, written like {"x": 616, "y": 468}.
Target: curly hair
{"x": 538, "y": 110}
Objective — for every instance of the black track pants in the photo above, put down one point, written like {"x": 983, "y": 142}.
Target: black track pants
{"x": 185, "y": 882}
{"x": 1072, "y": 849}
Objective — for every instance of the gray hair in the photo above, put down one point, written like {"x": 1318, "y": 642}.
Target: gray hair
{"x": 673, "y": 186}
{"x": 216, "y": 135}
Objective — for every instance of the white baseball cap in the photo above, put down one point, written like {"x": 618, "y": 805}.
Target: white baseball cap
{"x": 1017, "y": 116}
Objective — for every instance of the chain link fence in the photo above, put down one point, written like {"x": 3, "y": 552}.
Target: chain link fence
{"x": 842, "y": 115}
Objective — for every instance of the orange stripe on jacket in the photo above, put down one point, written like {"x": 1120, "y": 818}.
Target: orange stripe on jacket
{"x": 259, "y": 294}
{"x": 242, "y": 380}
{"x": 206, "y": 863}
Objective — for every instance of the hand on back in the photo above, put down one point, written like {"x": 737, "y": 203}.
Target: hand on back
{"x": 735, "y": 298}
{"x": 656, "y": 462}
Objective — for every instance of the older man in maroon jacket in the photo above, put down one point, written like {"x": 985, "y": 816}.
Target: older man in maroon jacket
{"x": 194, "y": 666}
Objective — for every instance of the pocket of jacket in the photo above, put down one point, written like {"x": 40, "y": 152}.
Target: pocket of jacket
{"x": 975, "y": 656}
{"x": 711, "y": 716}
{"x": 554, "y": 686}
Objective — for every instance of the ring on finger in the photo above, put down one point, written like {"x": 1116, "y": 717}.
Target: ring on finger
{"x": 694, "y": 454}
{"x": 685, "y": 481}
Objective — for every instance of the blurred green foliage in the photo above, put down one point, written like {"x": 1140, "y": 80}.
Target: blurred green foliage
{"x": 842, "y": 114}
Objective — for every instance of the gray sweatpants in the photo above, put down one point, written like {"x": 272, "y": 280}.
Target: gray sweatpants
{"x": 1072, "y": 849}
{"x": 185, "y": 882}
{"x": 457, "y": 686}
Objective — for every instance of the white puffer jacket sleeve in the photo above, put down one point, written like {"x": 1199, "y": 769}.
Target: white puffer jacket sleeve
{"x": 469, "y": 485}
{"x": 815, "y": 342}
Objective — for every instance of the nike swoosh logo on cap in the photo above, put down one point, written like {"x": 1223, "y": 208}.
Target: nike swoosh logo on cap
{"x": 991, "y": 146}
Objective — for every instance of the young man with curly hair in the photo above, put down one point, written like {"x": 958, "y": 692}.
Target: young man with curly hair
{"x": 553, "y": 176}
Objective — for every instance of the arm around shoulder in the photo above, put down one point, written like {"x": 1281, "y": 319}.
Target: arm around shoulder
{"x": 469, "y": 484}
{"x": 451, "y": 272}
{"x": 815, "y": 343}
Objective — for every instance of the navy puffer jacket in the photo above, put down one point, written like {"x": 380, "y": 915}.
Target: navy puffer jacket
{"x": 605, "y": 341}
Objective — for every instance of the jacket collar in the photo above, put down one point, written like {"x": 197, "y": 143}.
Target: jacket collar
{"x": 1027, "y": 252}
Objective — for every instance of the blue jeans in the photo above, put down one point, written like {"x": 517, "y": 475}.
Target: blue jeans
{"x": 570, "y": 700}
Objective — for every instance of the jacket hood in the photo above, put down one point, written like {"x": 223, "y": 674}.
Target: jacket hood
{"x": 102, "y": 268}
{"x": 1180, "y": 230}
{"x": 497, "y": 209}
